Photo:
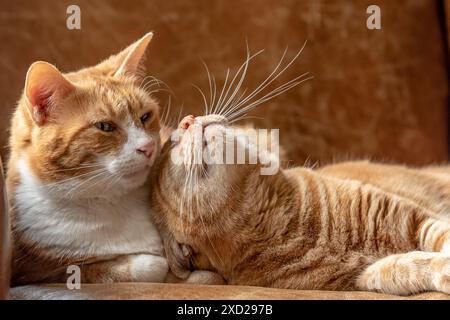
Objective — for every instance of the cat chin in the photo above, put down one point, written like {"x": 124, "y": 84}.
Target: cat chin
{"x": 134, "y": 181}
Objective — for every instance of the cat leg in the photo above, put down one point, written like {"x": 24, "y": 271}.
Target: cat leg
{"x": 434, "y": 235}
{"x": 179, "y": 257}
{"x": 130, "y": 268}
{"x": 407, "y": 273}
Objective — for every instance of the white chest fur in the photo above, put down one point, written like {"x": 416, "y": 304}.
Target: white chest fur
{"x": 95, "y": 227}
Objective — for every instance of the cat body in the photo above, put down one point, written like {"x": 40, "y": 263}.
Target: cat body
{"x": 83, "y": 231}
{"x": 82, "y": 145}
{"x": 351, "y": 226}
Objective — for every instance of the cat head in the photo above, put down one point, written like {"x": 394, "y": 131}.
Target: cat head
{"x": 97, "y": 126}
{"x": 200, "y": 171}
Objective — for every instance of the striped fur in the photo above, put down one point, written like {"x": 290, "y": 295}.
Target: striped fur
{"x": 350, "y": 226}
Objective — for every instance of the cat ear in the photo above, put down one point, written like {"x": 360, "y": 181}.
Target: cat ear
{"x": 131, "y": 58}
{"x": 44, "y": 86}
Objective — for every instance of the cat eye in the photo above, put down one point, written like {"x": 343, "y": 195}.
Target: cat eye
{"x": 105, "y": 126}
{"x": 146, "y": 116}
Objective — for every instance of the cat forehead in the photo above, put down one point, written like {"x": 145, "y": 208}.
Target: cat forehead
{"x": 117, "y": 99}
{"x": 121, "y": 95}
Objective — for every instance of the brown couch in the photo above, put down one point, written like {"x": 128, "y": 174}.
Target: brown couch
{"x": 381, "y": 94}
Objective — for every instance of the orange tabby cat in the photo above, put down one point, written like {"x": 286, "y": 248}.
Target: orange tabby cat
{"x": 350, "y": 226}
{"x": 82, "y": 145}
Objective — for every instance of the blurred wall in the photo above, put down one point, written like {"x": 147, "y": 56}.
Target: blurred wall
{"x": 446, "y": 22}
{"x": 376, "y": 93}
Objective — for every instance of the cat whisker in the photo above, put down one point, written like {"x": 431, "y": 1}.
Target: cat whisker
{"x": 165, "y": 117}
{"x": 159, "y": 90}
{"x": 112, "y": 178}
{"x": 276, "y": 92}
{"x": 219, "y": 101}
{"x": 244, "y": 116}
{"x": 153, "y": 79}
{"x": 265, "y": 82}
{"x": 76, "y": 187}
{"x": 154, "y": 82}
{"x": 75, "y": 168}
{"x": 166, "y": 111}
{"x": 238, "y": 98}
{"x": 243, "y": 70}
{"x": 211, "y": 93}
{"x": 204, "y": 98}
{"x": 214, "y": 84}
{"x": 144, "y": 81}
{"x": 60, "y": 182}
{"x": 275, "y": 74}
{"x": 151, "y": 83}
{"x": 167, "y": 87}
{"x": 180, "y": 114}
{"x": 233, "y": 105}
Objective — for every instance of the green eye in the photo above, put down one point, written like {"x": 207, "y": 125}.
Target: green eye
{"x": 146, "y": 116}
{"x": 105, "y": 126}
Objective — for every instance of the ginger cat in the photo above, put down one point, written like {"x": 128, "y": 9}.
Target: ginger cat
{"x": 349, "y": 226}
{"x": 82, "y": 145}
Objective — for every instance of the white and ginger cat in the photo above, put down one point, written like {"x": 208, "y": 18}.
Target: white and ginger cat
{"x": 350, "y": 226}
{"x": 82, "y": 146}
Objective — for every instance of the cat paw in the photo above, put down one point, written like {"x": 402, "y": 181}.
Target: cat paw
{"x": 205, "y": 277}
{"x": 441, "y": 279}
{"x": 178, "y": 256}
{"x": 148, "y": 268}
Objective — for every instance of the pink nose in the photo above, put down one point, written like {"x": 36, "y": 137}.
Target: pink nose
{"x": 147, "y": 149}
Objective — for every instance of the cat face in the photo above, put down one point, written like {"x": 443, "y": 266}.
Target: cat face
{"x": 197, "y": 139}
{"x": 89, "y": 130}
{"x": 195, "y": 186}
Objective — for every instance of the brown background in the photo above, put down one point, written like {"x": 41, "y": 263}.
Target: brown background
{"x": 376, "y": 93}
